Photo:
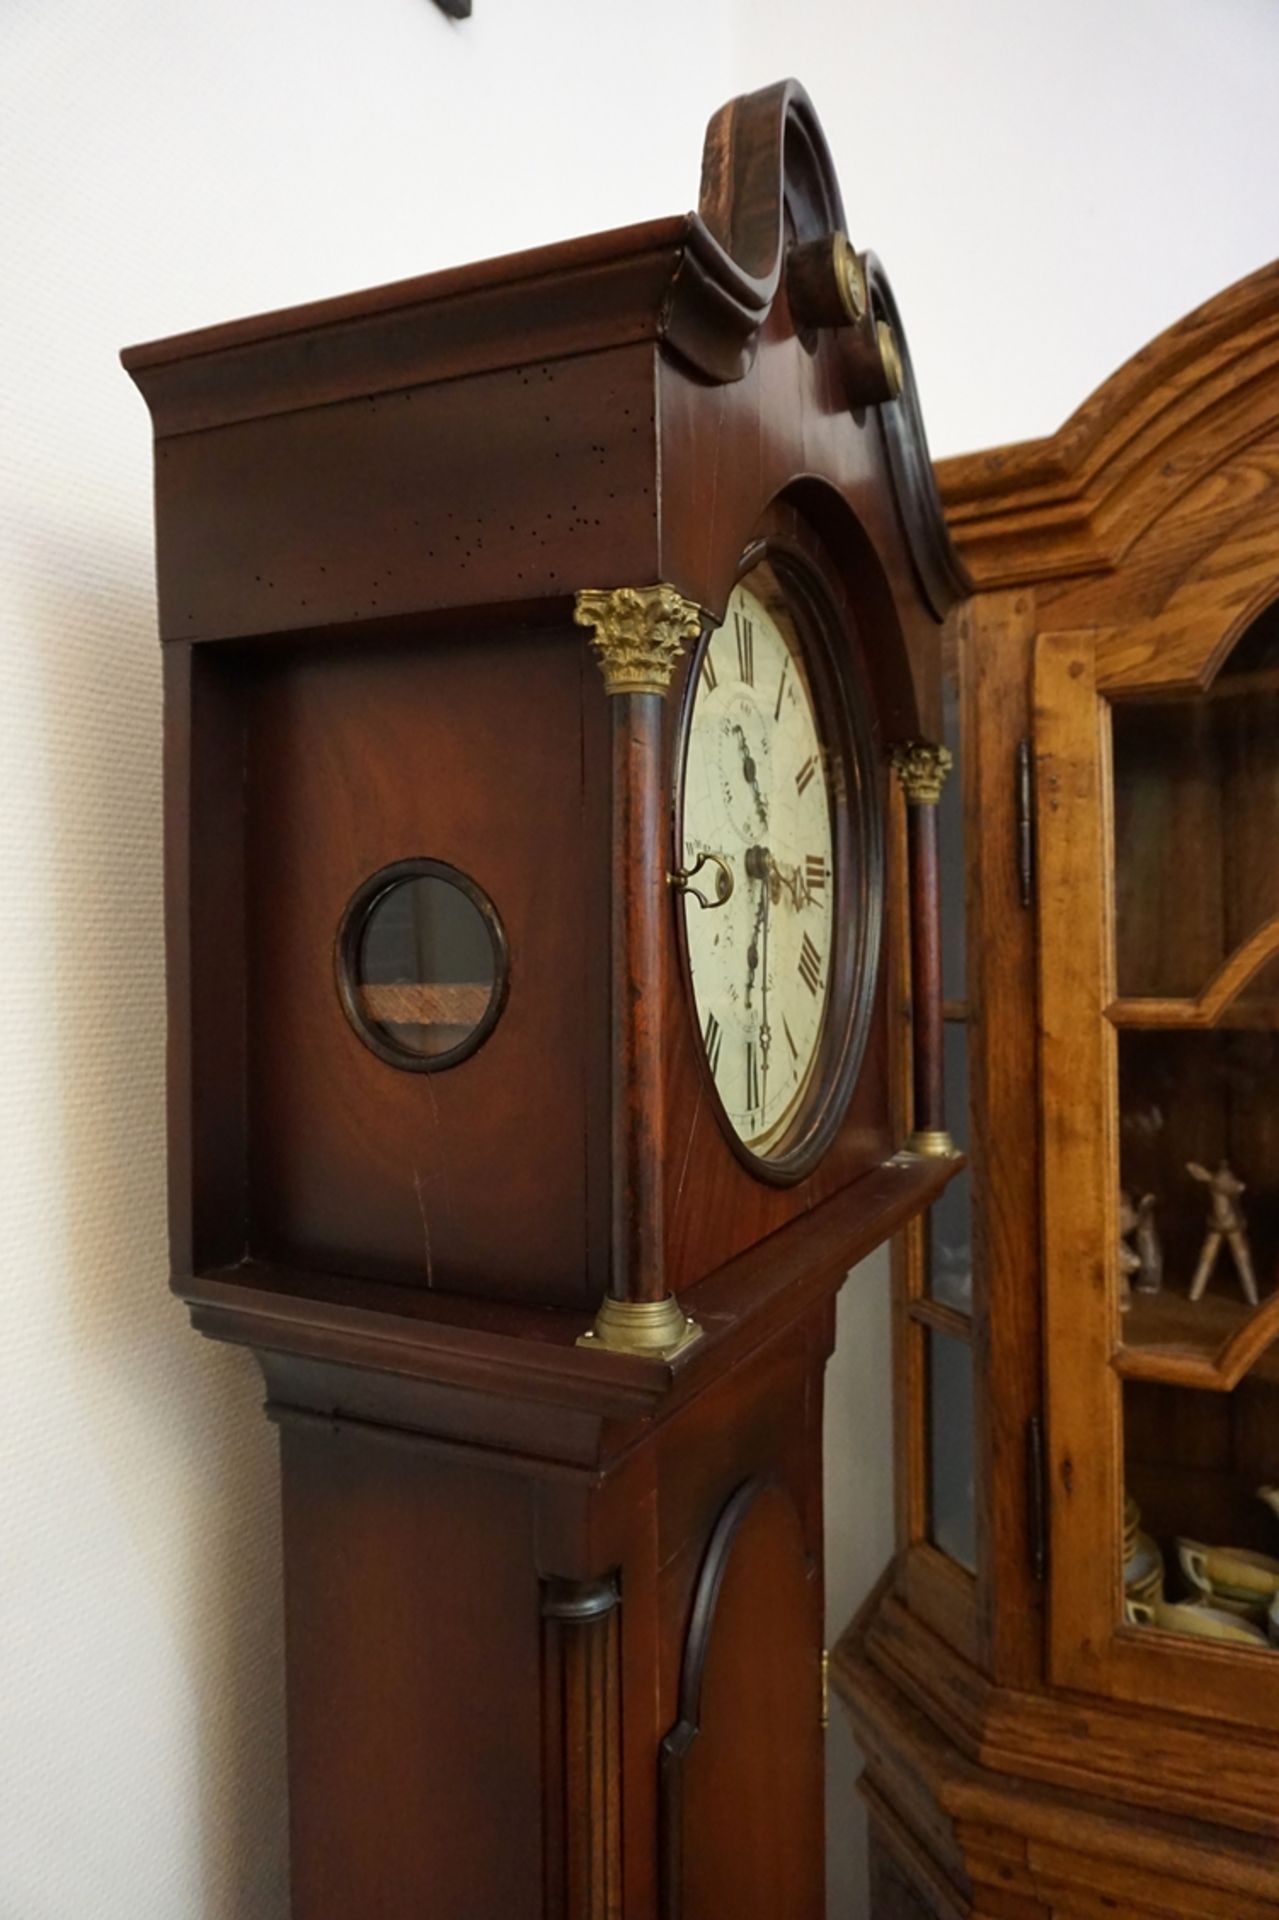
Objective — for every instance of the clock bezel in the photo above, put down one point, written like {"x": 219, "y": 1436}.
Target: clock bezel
{"x": 844, "y": 710}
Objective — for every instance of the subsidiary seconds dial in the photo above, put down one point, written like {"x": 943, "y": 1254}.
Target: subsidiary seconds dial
{"x": 757, "y": 797}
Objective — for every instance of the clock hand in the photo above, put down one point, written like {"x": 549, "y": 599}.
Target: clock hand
{"x": 750, "y": 770}
{"x": 793, "y": 882}
{"x": 765, "y": 1031}
{"x": 761, "y": 865}
{"x": 752, "y": 952}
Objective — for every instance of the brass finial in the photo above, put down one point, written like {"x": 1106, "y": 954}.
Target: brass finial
{"x": 850, "y": 278}
{"x": 922, "y": 768}
{"x": 826, "y": 282}
{"x": 890, "y": 358}
{"x": 640, "y": 633}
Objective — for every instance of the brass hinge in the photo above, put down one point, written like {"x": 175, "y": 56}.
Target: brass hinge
{"x": 1036, "y": 1499}
{"x": 825, "y": 1721}
{"x": 1025, "y": 824}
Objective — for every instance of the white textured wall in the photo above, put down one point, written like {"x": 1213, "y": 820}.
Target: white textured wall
{"x": 165, "y": 163}
{"x": 859, "y": 1539}
{"x": 1049, "y": 184}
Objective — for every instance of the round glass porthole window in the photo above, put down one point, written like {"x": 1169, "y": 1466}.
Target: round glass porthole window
{"x": 421, "y": 965}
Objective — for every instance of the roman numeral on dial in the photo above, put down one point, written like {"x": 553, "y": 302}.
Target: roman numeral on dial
{"x": 810, "y": 965}
{"x": 806, "y": 772}
{"x": 745, "y": 630}
{"x": 709, "y": 678}
{"x": 814, "y": 872}
{"x": 713, "y": 1039}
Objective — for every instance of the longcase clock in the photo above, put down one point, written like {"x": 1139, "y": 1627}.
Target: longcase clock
{"x": 538, "y": 640}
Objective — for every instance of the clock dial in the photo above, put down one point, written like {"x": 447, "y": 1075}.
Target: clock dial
{"x": 757, "y": 797}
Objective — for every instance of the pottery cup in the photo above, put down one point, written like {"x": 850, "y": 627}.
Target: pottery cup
{"x": 1205, "y": 1623}
{"x": 1235, "y": 1578}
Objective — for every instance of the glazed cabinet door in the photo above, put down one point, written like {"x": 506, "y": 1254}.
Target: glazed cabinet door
{"x": 966, "y": 1320}
{"x": 1158, "y": 841}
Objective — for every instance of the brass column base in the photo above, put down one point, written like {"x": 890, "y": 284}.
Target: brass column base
{"x": 653, "y": 1329}
{"x": 932, "y": 1143}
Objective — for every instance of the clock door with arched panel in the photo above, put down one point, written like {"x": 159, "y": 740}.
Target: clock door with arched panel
{"x": 757, "y": 1583}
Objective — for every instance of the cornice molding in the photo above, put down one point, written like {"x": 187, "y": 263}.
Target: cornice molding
{"x": 699, "y": 289}
{"x": 1076, "y": 502}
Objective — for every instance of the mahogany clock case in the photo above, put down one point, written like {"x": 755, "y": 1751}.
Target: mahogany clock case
{"x": 553, "y": 1607}
{"x": 371, "y": 517}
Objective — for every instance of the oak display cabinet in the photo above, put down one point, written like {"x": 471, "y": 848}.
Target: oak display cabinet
{"x": 1067, "y": 1688}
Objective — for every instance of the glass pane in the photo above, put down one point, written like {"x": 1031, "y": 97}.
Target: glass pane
{"x": 1196, "y": 828}
{"x": 1258, "y": 1002}
{"x": 1199, "y": 1172}
{"x": 950, "y": 840}
{"x": 1258, "y": 650}
{"x": 1201, "y": 1519}
{"x": 951, "y": 1448}
{"x": 950, "y": 1232}
{"x": 1197, "y": 953}
{"x": 1197, "y": 898}
{"x": 422, "y": 956}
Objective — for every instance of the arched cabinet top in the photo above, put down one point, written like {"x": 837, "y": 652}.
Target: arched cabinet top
{"x": 1130, "y": 459}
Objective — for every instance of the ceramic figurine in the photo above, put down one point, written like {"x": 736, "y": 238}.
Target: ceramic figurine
{"x": 1143, "y": 1123}
{"x": 1149, "y": 1247}
{"x": 1129, "y": 1262}
{"x": 1225, "y": 1222}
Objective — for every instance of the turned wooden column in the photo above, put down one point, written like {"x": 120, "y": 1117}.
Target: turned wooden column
{"x": 922, "y": 768}
{"x": 639, "y": 634}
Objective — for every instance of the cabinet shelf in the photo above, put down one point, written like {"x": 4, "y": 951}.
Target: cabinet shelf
{"x": 1219, "y": 1005}
{"x": 1210, "y": 1343}
{"x": 1232, "y": 685}
{"x": 1189, "y": 1016}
